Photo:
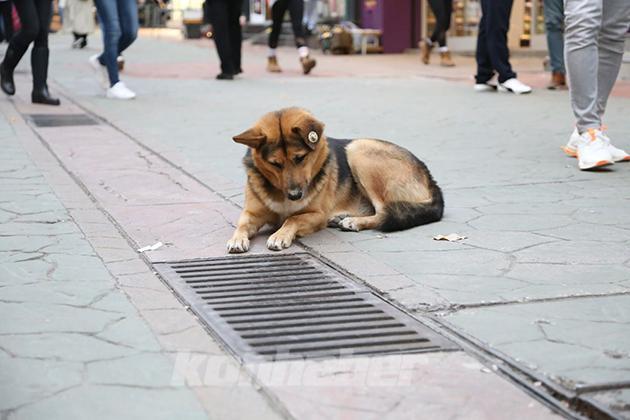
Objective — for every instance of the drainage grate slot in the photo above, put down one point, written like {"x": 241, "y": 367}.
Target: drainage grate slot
{"x": 280, "y": 332}
{"x": 311, "y": 323}
{"x": 62, "y": 120}
{"x": 276, "y": 307}
{"x": 219, "y": 308}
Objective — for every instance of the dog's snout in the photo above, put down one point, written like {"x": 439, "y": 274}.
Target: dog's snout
{"x": 294, "y": 194}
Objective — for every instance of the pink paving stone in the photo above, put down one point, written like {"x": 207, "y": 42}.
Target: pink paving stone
{"x": 448, "y": 385}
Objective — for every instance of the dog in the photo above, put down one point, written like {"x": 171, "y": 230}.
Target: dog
{"x": 302, "y": 181}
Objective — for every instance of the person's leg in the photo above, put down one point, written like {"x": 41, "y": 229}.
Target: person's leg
{"x": 278, "y": 10}
{"x": 497, "y": 26}
{"x": 29, "y": 20}
{"x": 583, "y": 23}
{"x": 19, "y": 43}
{"x": 236, "y": 37}
{"x": 445, "y": 55}
{"x": 128, "y": 17}
{"x": 484, "y": 64}
{"x": 438, "y": 35}
{"x": 615, "y": 24}
{"x": 219, "y": 18}
{"x": 296, "y": 13}
{"x": 108, "y": 13}
{"x": 583, "y": 20}
{"x": 554, "y": 28}
{"x": 40, "y": 55}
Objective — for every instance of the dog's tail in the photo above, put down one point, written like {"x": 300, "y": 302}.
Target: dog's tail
{"x": 400, "y": 215}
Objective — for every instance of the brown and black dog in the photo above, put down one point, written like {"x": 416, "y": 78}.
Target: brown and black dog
{"x": 300, "y": 180}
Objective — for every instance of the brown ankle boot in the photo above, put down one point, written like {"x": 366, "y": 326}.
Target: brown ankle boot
{"x": 558, "y": 81}
{"x": 425, "y": 51}
{"x": 446, "y": 60}
{"x": 307, "y": 64}
{"x": 272, "y": 65}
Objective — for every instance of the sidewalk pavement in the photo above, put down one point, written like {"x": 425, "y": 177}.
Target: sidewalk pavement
{"x": 539, "y": 290}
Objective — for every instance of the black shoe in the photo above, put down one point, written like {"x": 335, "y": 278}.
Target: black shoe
{"x": 43, "y": 97}
{"x": 225, "y": 76}
{"x": 6, "y": 72}
{"x": 6, "y": 81}
{"x": 39, "y": 67}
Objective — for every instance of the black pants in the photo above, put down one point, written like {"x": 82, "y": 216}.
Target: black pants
{"x": 7, "y": 19}
{"x": 442, "y": 9}
{"x": 492, "y": 50}
{"x": 296, "y": 12}
{"x": 35, "y": 19}
{"x": 224, "y": 15}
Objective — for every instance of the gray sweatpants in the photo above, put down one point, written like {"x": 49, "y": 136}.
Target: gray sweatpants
{"x": 594, "y": 37}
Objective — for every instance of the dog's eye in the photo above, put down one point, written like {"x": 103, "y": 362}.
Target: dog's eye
{"x": 276, "y": 164}
{"x": 299, "y": 159}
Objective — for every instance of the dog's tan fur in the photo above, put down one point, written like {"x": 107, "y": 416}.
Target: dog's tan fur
{"x": 353, "y": 185}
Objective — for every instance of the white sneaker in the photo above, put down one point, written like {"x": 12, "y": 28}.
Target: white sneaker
{"x": 592, "y": 150}
{"x": 485, "y": 87}
{"x": 120, "y": 91}
{"x": 514, "y": 85}
{"x": 618, "y": 155}
{"x": 100, "y": 71}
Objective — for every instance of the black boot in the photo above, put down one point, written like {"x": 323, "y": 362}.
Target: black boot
{"x": 39, "y": 67}
{"x": 6, "y": 72}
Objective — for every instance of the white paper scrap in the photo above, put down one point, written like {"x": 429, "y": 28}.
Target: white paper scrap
{"x": 452, "y": 237}
{"x": 151, "y": 247}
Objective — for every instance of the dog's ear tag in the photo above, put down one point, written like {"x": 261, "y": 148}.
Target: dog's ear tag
{"x": 313, "y": 137}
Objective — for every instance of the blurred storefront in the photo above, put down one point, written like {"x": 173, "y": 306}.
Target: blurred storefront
{"x": 260, "y": 12}
{"x": 404, "y": 22}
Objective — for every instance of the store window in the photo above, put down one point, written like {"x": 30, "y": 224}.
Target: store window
{"x": 533, "y": 21}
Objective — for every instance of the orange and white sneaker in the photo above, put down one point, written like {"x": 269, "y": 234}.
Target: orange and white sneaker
{"x": 618, "y": 155}
{"x": 592, "y": 150}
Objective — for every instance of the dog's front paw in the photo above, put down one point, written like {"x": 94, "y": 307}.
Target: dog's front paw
{"x": 348, "y": 224}
{"x": 279, "y": 240}
{"x": 238, "y": 245}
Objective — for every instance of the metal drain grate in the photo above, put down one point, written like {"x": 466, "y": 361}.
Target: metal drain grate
{"x": 275, "y": 307}
{"x": 62, "y": 120}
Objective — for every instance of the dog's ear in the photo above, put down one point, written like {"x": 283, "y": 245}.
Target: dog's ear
{"x": 253, "y": 138}
{"x": 310, "y": 130}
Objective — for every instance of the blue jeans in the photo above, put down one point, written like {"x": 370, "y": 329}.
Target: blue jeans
{"x": 554, "y": 26}
{"x": 119, "y": 19}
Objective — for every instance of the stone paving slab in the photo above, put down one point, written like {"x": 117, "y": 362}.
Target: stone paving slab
{"x": 578, "y": 344}
{"x": 418, "y": 387}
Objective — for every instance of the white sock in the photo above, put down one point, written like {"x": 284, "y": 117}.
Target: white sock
{"x": 303, "y": 51}
{"x": 443, "y": 49}
{"x": 271, "y": 52}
